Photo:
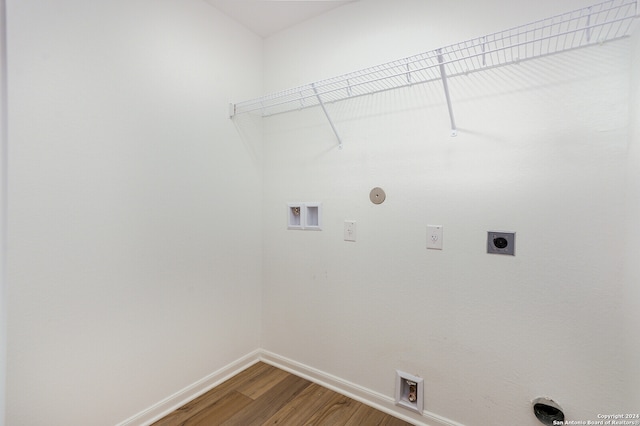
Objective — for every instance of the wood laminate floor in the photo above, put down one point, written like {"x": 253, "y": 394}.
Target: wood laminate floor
{"x": 265, "y": 395}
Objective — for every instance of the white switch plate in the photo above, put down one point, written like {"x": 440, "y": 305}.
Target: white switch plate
{"x": 434, "y": 237}
{"x": 349, "y": 230}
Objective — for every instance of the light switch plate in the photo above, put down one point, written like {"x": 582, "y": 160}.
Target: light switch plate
{"x": 434, "y": 237}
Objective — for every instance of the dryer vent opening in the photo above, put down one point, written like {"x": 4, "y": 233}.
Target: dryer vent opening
{"x": 547, "y": 411}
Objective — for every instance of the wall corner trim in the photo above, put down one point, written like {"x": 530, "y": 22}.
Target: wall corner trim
{"x": 191, "y": 392}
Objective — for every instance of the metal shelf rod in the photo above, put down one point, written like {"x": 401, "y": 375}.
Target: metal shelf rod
{"x": 333, "y": 127}
{"x": 445, "y": 85}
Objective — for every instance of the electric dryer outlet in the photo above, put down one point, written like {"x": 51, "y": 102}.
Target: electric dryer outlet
{"x": 499, "y": 242}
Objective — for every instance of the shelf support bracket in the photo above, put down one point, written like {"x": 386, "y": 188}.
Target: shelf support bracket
{"x": 326, "y": 113}
{"x": 589, "y": 26}
{"x": 445, "y": 85}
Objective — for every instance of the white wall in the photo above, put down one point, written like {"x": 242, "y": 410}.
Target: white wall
{"x": 134, "y": 251}
{"x": 631, "y": 296}
{"x": 136, "y": 257}
{"x": 542, "y": 151}
{"x": 3, "y": 212}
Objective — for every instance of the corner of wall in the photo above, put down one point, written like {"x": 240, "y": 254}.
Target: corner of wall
{"x": 3, "y": 207}
{"x": 631, "y": 296}
{"x": 191, "y": 392}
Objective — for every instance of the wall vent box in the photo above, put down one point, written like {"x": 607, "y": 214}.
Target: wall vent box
{"x": 409, "y": 391}
{"x": 304, "y": 216}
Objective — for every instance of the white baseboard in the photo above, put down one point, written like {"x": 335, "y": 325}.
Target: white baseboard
{"x": 366, "y": 396}
{"x": 191, "y": 392}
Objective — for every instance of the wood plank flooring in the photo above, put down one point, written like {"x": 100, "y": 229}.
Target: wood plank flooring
{"x": 264, "y": 395}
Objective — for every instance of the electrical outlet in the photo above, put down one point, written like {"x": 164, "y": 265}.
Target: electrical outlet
{"x": 501, "y": 243}
{"x": 434, "y": 237}
{"x": 349, "y": 230}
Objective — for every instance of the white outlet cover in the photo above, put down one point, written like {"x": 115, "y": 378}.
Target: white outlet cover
{"x": 434, "y": 237}
{"x": 349, "y": 230}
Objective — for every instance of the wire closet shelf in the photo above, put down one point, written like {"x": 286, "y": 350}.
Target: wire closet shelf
{"x": 591, "y": 25}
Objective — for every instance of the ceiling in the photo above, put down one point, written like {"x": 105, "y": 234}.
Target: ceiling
{"x": 267, "y": 17}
